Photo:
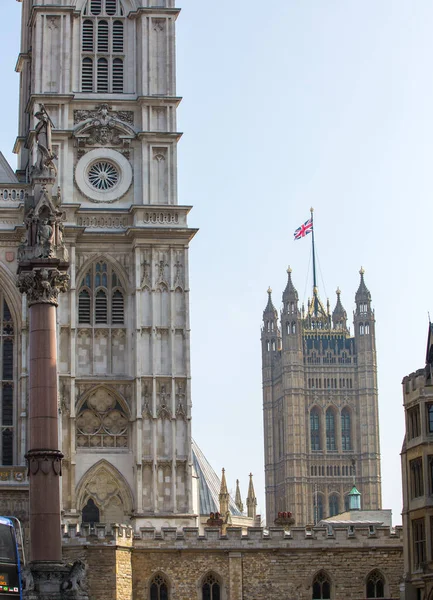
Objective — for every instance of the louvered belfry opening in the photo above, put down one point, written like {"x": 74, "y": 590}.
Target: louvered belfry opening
{"x": 102, "y": 47}
{"x": 101, "y": 299}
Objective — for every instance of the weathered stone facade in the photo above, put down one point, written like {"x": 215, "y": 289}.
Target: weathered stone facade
{"x": 417, "y": 479}
{"x": 256, "y": 566}
{"x": 320, "y": 406}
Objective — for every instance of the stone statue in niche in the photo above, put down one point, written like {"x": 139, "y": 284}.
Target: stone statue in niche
{"x": 45, "y": 156}
{"x": 44, "y": 231}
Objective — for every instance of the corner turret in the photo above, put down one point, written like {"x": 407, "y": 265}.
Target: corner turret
{"x": 291, "y": 316}
{"x": 363, "y": 318}
{"x": 339, "y": 315}
{"x": 271, "y": 336}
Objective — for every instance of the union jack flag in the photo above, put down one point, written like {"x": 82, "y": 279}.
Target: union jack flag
{"x": 304, "y": 229}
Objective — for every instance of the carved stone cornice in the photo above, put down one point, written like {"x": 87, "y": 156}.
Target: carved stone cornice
{"x": 45, "y": 461}
{"x": 43, "y": 285}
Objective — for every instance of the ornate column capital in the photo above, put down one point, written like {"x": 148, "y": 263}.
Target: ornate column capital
{"x": 43, "y": 285}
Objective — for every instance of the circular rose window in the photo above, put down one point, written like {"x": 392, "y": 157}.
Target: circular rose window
{"x": 103, "y": 175}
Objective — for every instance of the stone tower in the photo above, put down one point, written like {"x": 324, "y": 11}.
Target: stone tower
{"x": 320, "y": 406}
{"x": 104, "y": 71}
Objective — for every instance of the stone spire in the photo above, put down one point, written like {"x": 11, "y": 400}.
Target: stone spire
{"x": 339, "y": 315}
{"x": 251, "y": 499}
{"x": 290, "y": 294}
{"x": 270, "y": 310}
{"x": 363, "y": 293}
{"x": 224, "y": 496}
{"x": 238, "y": 498}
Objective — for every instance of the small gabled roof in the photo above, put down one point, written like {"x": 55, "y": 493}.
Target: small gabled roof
{"x": 7, "y": 174}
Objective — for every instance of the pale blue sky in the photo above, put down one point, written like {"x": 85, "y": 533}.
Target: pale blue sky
{"x": 287, "y": 105}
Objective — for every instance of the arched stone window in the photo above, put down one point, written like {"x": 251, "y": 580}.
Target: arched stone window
{"x": 330, "y": 430}
{"x": 321, "y": 586}
{"x": 334, "y": 505}
{"x": 101, "y": 297}
{"x": 102, "y": 44}
{"x": 211, "y": 588}
{"x": 346, "y": 430}
{"x": 7, "y": 391}
{"x": 102, "y": 422}
{"x": 375, "y": 585}
{"x": 90, "y": 512}
{"x": 315, "y": 429}
{"x": 159, "y": 588}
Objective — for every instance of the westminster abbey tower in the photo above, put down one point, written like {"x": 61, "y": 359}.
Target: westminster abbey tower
{"x": 320, "y": 404}
{"x": 104, "y": 72}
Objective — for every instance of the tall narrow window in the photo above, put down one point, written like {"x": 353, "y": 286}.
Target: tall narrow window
{"x": 158, "y": 588}
{"x": 117, "y": 36}
{"x": 211, "y": 589}
{"x": 346, "y": 434}
{"x": 416, "y": 478}
{"x": 102, "y": 75}
{"x": 315, "y": 429}
{"x": 375, "y": 585}
{"x": 333, "y": 505}
{"x": 418, "y": 536}
{"x": 103, "y": 36}
{"x": 330, "y": 430}
{"x": 118, "y": 75}
{"x": 430, "y": 417}
{"x": 87, "y": 75}
{"x": 321, "y": 586}
{"x": 88, "y": 36}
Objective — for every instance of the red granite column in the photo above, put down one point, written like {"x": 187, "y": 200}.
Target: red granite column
{"x": 44, "y": 457}
{"x": 42, "y": 281}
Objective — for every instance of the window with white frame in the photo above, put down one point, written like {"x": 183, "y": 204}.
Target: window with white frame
{"x": 103, "y": 47}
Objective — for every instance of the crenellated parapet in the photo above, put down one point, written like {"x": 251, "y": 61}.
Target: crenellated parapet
{"x": 189, "y": 538}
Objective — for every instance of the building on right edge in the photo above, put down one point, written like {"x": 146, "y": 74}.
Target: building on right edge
{"x": 320, "y": 405}
{"x": 417, "y": 480}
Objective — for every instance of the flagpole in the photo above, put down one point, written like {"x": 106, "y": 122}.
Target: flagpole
{"x": 314, "y": 265}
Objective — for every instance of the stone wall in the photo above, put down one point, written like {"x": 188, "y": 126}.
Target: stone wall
{"x": 257, "y": 566}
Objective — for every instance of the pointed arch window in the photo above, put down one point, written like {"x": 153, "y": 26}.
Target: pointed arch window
{"x": 375, "y": 585}
{"x": 90, "y": 513}
{"x": 101, "y": 299}
{"x": 102, "y": 47}
{"x": 315, "y": 429}
{"x": 211, "y": 588}
{"x": 330, "y": 430}
{"x": 334, "y": 507}
{"x": 159, "y": 588}
{"x": 321, "y": 586}
{"x": 346, "y": 430}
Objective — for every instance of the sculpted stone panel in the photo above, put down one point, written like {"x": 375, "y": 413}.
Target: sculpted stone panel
{"x": 102, "y": 422}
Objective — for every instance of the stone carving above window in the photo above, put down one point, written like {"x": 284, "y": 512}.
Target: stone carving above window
{"x": 102, "y": 422}
{"x": 103, "y": 127}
